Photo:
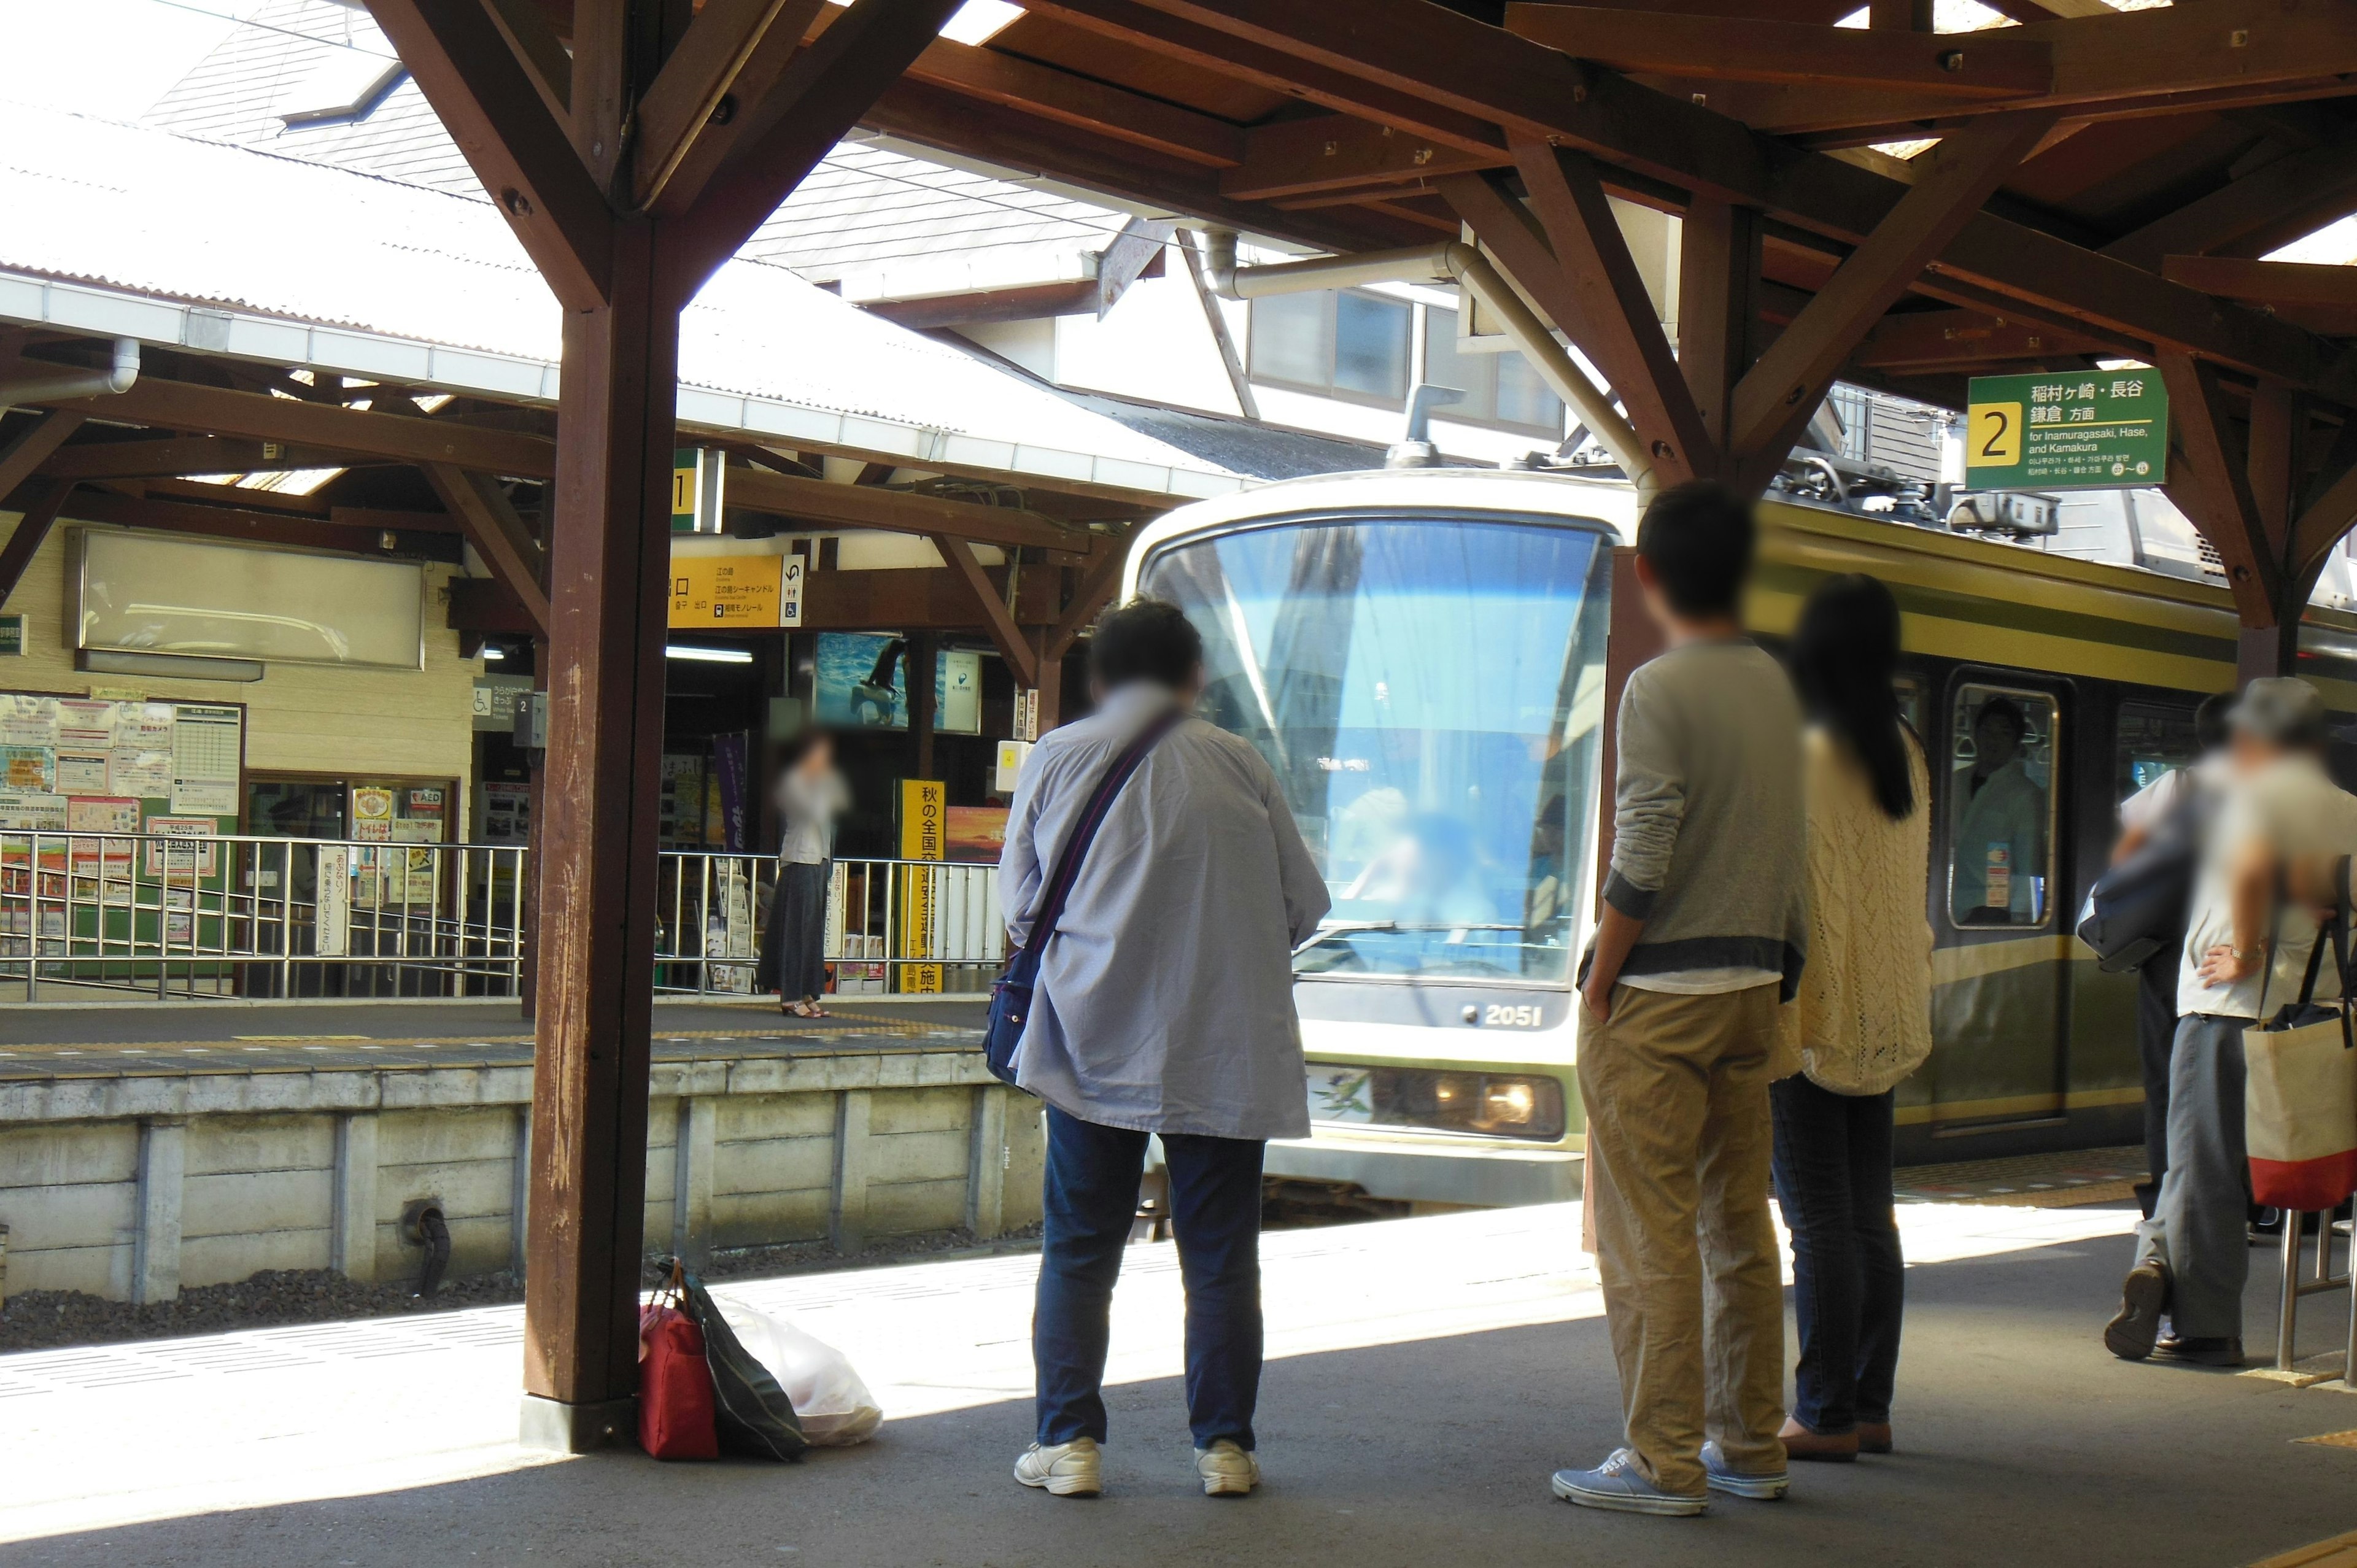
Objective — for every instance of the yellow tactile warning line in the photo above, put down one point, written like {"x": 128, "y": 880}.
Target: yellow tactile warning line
{"x": 2341, "y": 1551}
{"x": 2332, "y": 1439}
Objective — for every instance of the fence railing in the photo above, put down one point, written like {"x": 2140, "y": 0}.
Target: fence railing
{"x": 248, "y": 916}
{"x": 244, "y": 915}
{"x": 892, "y": 926}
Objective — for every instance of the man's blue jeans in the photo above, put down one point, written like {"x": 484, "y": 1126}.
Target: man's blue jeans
{"x": 1090, "y": 1201}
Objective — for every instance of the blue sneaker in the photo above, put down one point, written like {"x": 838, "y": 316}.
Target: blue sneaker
{"x": 1619, "y": 1486}
{"x": 1721, "y": 1476}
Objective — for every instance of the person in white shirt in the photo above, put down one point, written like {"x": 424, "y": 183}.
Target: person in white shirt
{"x": 2176, "y": 801}
{"x": 1164, "y": 1007}
{"x": 2279, "y": 806}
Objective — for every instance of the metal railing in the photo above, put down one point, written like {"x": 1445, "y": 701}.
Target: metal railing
{"x": 248, "y": 916}
{"x": 244, "y": 915}
{"x": 892, "y": 926}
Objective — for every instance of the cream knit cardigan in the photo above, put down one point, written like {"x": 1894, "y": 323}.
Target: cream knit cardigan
{"x": 1863, "y": 1018}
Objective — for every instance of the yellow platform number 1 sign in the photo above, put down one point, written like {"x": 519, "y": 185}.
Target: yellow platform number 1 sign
{"x": 2084, "y": 430}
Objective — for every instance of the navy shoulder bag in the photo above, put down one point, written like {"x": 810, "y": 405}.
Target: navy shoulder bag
{"x": 1010, "y": 998}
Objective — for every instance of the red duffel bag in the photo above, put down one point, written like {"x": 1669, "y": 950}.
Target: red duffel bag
{"x": 674, "y": 1383}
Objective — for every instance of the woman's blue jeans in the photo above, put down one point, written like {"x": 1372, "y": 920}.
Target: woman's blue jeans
{"x": 1850, "y": 1285}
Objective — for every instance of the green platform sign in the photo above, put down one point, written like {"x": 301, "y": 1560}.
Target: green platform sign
{"x": 2089, "y": 430}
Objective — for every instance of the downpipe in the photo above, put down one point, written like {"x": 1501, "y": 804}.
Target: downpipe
{"x": 69, "y": 382}
{"x": 1471, "y": 271}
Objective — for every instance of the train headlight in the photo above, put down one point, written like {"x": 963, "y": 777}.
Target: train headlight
{"x": 1488, "y": 1105}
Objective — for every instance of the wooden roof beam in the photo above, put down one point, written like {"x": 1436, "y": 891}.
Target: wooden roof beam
{"x": 1126, "y": 174}
{"x": 2323, "y": 298}
{"x": 1565, "y": 251}
{"x": 732, "y": 54}
{"x": 2212, "y": 486}
{"x": 402, "y": 439}
{"x": 498, "y": 536}
{"x": 1005, "y": 635}
{"x": 1416, "y": 47}
{"x": 819, "y": 502}
{"x": 822, "y": 92}
{"x": 1777, "y": 397}
{"x": 89, "y": 505}
{"x": 1937, "y": 339}
{"x": 487, "y": 99}
{"x": 180, "y": 455}
{"x": 2271, "y": 205}
{"x": 34, "y": 445}
{"x": 1085, "y": 105}
{"x": 1944, "y": 67}
{"x": 2166, "y": 59}
{"x": 1177, "y": 38}
{"x": 31, "y": 531}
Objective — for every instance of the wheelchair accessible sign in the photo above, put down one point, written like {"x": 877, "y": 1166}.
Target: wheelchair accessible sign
{"x": 2092, "y": 430}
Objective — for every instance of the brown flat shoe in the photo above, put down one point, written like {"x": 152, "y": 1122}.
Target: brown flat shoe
{"x": 1801, "y": 1444}
{"x": 1874, "y": 1437}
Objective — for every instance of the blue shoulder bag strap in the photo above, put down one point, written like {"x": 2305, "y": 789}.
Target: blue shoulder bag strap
{"x": 1010, "y": 1002}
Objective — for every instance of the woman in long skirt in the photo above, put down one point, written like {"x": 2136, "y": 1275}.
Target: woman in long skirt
{"x": 810, "y": 794}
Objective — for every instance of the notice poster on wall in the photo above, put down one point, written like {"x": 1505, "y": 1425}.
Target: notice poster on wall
{"x": 206, "y": 753}
{"x": 333, "y": 920}
{"x": 101, "y": 814}
{"x": 79, "y": 774}
{"x": 507, "y": 812}
{"x": 29, "y": 811}
{"x": 198, "y": 856}
{"x": 31, "y": 768}
{"x": 27, "y": 721}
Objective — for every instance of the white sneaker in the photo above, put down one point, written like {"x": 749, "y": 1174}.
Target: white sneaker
{"x": 1074, "y": 1469}
{"x": 1227, "y": 1470}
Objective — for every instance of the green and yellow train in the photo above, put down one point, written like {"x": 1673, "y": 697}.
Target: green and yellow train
{"x": 1426, "y": 657}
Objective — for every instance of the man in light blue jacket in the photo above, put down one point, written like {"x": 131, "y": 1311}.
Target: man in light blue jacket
{"x": 1164, "y": 1006}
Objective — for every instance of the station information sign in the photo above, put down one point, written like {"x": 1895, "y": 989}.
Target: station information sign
{"x": 2087, "y": 430}
{"x": 713, "y": 591}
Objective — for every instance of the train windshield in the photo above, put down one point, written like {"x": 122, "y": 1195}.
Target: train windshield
{"x": 1430, "y": 691}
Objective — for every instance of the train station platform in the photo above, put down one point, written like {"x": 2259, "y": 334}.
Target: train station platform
{"x": 1426, "y": 1376}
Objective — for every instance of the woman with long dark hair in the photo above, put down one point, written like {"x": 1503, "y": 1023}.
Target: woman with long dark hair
{"x": 810, "y": 794}
{"x": 1863, "y": 1016}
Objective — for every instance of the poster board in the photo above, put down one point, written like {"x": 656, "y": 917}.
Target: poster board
{"x": 111, "y": 764}
{"x": 116, "y": 765}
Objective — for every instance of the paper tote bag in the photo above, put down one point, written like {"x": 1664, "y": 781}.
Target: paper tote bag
{"x": 2299, "y": 1115}
{"x": 2299, "y": 1095}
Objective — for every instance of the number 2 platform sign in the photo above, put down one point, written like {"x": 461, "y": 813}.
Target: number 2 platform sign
{"x": 2089, "y": 430}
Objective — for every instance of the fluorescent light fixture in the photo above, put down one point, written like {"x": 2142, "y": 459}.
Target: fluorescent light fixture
{"x": 979, "y": 21}
{"x": 709, "y": 655}
{"x": 494, "y": 653}
{"x": 176, "y": 666}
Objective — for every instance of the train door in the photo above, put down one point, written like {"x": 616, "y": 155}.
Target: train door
{"x": 2001, "y": 989}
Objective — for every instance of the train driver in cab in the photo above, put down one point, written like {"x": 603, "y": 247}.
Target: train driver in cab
{"x": 2000, "y": 824}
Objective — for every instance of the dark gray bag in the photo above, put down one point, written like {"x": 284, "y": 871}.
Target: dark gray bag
{"x": 752, "y": 1412}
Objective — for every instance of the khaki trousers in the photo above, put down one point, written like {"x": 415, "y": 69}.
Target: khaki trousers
{"x": 1678, "y": 1141}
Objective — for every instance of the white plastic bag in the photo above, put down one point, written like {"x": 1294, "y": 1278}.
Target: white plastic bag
{"x": 836, "y": 1408}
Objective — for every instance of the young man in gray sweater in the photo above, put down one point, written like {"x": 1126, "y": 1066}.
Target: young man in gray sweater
{"x": 1701, "y": 941}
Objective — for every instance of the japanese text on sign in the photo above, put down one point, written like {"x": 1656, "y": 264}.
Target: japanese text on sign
{"x": 2083, "y": 431}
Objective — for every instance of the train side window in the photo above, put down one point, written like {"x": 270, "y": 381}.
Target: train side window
{"x": 2153, "y": 739}
{"x": 2001, "y": 807}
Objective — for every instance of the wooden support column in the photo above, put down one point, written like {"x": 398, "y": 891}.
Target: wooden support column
{"x": 922, "y": 654}
{"x": 609, "y": 573}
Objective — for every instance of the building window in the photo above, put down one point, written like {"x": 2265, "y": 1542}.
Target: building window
{"x": 1500, "y": 389}
{"x": 1352, "y": 346}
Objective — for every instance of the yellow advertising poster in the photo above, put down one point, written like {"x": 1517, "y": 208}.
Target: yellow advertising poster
{"x": 924, "y": 809}
{"x": 726, "y": 590}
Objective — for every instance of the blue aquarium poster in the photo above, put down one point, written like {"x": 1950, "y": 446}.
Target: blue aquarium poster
{"x": 862, "y": 683}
